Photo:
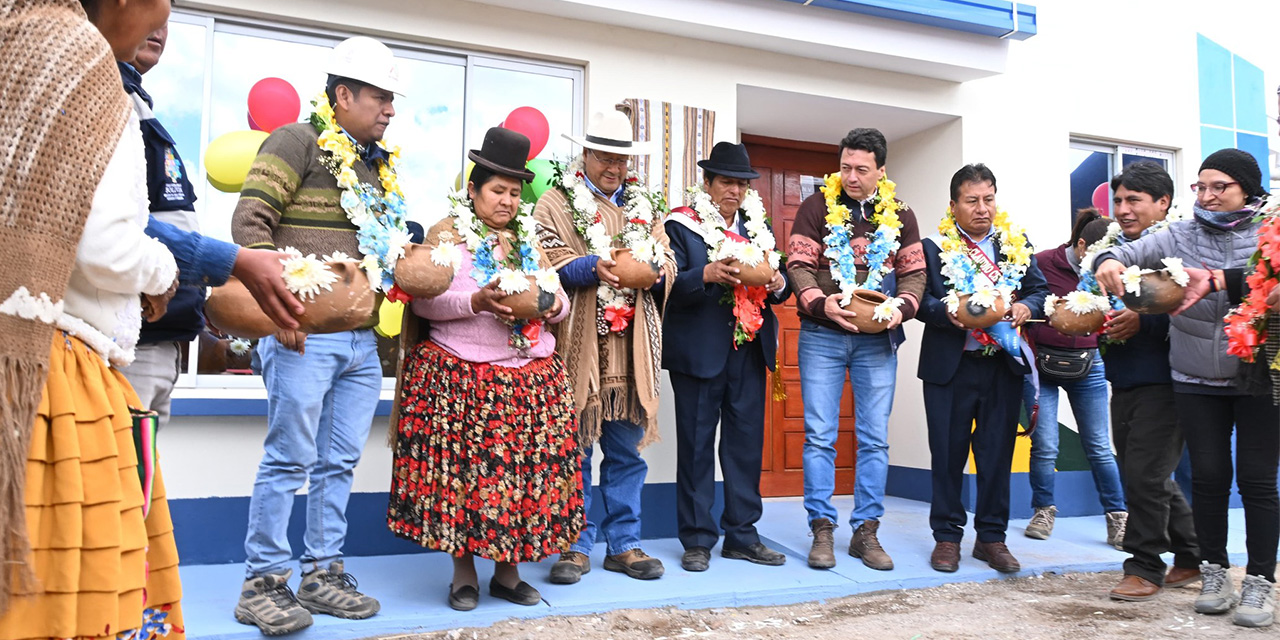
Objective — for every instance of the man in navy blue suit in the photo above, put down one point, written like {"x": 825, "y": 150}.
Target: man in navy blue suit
{"x": 967, "y": 377}
{"x": 718, "y": 359}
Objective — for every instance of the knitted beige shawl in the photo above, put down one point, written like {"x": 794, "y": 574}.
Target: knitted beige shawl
{"x": 62, "y": 111}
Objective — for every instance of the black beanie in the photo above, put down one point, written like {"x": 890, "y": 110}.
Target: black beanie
{"x": 1241, "y": 166}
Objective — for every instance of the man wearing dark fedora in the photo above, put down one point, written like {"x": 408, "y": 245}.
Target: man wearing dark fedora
{"x": 718, "y": 376}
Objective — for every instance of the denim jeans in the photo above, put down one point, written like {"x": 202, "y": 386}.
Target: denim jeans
{"x": 825, "y": 357}
{"x": 1088, "y": 397}
{"x": 319, "y": 410}
{"x": 622, "y": 473}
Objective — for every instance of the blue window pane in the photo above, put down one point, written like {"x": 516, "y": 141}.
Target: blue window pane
{"x": 1257, "y": 147}
{"x": 1251, "y": 97}
{"x": 1091, "y": 180}
{"x": 1212, "y": 139}
{"x": 1216, "y": 96}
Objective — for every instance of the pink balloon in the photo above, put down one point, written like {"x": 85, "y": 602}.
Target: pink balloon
{"x": 252, "y": 125}
{"x": 1102, "y": 199}
{"x": 273, "y": 103}
{"x": 533, "y": 125}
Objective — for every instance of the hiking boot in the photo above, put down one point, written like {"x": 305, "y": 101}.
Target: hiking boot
{"x": 1041, "y": 525}
{"x": 1257, "y": 603}
{"x": 997, "y": 556}
{"x": 1217, "y": 594}
{"x": 570, "y": 567}
{"x": 334, "y": 591}
{"x": 268, "y": 603}
{"x": 1116, "y": 523}
{"x": 695, "y": 559}
{"x": 823, "y": 553}
{"x": 635, "y": 563}
{"x": 865, "y": 545}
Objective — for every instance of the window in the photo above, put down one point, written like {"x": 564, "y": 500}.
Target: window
{"x": 201, "y": 88}
{"x": 1093, "y": 164}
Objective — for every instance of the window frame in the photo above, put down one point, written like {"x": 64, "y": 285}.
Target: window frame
{"x": 1119, "y": 149}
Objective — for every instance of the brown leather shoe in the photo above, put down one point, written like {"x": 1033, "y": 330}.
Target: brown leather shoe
{"x": 866, "y": 545}
{"x": 997, "y": 556}
{"x": 570, "y": 568}
{"x": 945, "y": 557}
{"x": 822, "y": 554}
{"x": 635, "y": 563}
{"x": 1181, "y": 576}
{"x": 1135, "y": 589}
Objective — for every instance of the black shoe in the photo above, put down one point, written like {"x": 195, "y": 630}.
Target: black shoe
{"x": 464, "y": 599}
{"x": 523, "y": 593}
{"x": 757, "y": 553}
{"x": 695, "y": 559}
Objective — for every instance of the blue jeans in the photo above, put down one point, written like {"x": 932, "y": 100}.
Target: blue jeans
{"x": 622, "y": 473}
{"x": 319, "y": 410}
{"x": 1088, "y": 397}
{"x": 825, "y": 357}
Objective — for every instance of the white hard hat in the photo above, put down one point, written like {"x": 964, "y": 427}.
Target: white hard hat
{"x": 367, "y": 60}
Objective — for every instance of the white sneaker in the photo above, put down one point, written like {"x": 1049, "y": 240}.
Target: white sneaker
{"x": 1117, "y": 522}
{"x": 1257, "y": 602}
{"x": 1217, "y": 594}
{"x": 1041, "y": 525}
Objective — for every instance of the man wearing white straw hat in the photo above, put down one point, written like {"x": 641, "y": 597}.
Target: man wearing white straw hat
{"x": 324, "y": 187}
{"x": 612, "y": 340}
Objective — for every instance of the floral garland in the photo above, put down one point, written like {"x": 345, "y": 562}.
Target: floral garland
{"x": 1078, "y": 302}
{"x": 1132, "y": 276}
{"x": 884, "y": 240}
{"x": 1246, "y": 325}
{"x": 747, "y": 302}
{"x": 961, "y": 271}
{"x": 513, "y": 270}
{"x": 615, "y": 307}
{"x": 379, "y": 218}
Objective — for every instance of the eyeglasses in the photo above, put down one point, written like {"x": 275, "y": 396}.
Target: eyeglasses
{"x": 1216, "y": 188}
{"x": 618, "y": 163}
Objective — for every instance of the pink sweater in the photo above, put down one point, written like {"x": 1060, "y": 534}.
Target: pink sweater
{"x": 479, "y": 337}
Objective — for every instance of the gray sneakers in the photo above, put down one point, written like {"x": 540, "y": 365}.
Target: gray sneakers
{"x": 1041, "y": 525}
{"x": 268, "y": 603}
{"x": 333, "y": 591}
{"x": 1117, "y": 522}
{"x": 1257, "y": 603}
{"x": 1217, "y": 594}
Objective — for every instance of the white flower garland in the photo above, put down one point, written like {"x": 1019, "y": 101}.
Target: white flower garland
{"x": 305, "y": 275}
{"x": 468, "y": 226}
{"x": 1078, "y": 302}
{"x": 760, "y": 243}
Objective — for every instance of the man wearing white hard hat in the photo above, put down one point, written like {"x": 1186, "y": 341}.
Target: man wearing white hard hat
{"x": 321, "y": 187}
{"x": 613, "y": 336}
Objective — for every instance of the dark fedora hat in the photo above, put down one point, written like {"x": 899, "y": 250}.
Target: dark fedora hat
{"x": 504, "y": 152}
{"x": 729, "y": 160}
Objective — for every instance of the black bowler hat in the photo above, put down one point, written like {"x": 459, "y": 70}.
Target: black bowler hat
{"x": 504, "y": 152}
{"x": 729, "y": 160}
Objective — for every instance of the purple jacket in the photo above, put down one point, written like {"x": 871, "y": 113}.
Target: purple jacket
{"x": 1062, "y": 279}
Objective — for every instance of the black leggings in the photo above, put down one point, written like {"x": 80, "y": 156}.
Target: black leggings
{"x": 1207, "y": 422}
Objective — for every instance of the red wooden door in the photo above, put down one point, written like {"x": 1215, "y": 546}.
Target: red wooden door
{"x": 783, "y": 166}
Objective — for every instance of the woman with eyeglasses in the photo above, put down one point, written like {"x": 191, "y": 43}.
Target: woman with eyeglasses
{"x": 1210, "y": 398}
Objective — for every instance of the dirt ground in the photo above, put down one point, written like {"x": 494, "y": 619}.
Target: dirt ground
{"x": 1073, "y": 606}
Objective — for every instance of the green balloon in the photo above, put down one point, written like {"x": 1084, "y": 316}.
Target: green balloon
{"x": 543, "y": 170}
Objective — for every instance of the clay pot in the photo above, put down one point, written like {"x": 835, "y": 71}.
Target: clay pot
{"x": 232, "y": 309}
{"x": 756, "y": 276}
{"x": 864, "y": 302}
{"x": 530, "y": 303}
{"x": 976, "y": 316}
{"x": 1157, "y": 293}
{"x": 214, "y": 354}
{"x": 633, "y": 274}
{"x": 1075, "y": 324}
{"x": 348, "y": 306}
{"x": 418, "y": 276}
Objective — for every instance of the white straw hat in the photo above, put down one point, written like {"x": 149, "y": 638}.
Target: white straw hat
{"x": 611, "y": 132}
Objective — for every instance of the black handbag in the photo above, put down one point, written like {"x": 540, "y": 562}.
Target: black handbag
{"x": 1063, "y": 364}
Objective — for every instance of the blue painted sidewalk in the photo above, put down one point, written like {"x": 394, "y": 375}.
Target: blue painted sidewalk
{"x": 413, "y": 588}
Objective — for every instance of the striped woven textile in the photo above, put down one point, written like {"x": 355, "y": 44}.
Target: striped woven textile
{"x": 684, "y": 135}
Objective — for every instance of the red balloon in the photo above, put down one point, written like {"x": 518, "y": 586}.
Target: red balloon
{"x": 252, "y": 125}
{"x": 273, "y": 103}
{"x": 533, "y": 125}
{"x": 1102, "y": 198}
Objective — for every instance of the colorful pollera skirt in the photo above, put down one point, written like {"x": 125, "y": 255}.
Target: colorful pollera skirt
{"x": 486, "y": 458}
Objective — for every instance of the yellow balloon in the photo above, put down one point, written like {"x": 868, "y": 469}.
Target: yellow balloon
{"x": 229, "y": 157}
{"x": 458, "y": 182}
{"x": 390, "y": 315}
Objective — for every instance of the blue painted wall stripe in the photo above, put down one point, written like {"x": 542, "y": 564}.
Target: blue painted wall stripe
{"x": 982, "y": 17}
{"x": 238, "y": 407}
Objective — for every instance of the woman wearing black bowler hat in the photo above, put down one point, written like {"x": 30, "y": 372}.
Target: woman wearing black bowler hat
{"x": 485, "y": 452}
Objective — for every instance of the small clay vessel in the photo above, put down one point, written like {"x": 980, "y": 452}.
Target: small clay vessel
{"x": 417, "y": 275}
{"x": 633, "y": 274}
{"x": 1075, "y": 324}
{"x": 232, "y": 309}
{"x": 349, "y": 304}
{"x": 530, "y": 303}
{"x": 976, "y": 316}
{"x": 1157, "y": 293}
{"x": 864, "y": 303}
{"x": 756, "y": 276}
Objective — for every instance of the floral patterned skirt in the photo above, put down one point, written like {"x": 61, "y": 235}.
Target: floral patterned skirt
{"x": 486, "y": 458}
